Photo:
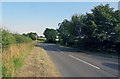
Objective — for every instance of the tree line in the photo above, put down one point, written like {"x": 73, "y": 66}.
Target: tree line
{"x": 96, "y": 31}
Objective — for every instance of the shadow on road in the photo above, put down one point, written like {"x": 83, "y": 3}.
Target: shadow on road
{"x": 112, "y": 65}
{"x": 54, "y": 47}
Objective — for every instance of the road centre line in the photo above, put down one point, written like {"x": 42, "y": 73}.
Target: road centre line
{"x": 84, "y": 61}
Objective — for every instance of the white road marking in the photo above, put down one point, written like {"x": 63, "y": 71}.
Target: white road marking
{"x": 84, "y": 61}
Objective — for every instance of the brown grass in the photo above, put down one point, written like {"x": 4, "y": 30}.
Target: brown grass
{"x": 12, "y": 58}
{"x": 38, "y": 64}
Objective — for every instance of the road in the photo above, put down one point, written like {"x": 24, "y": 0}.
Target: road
{"x": 71, "y": 63}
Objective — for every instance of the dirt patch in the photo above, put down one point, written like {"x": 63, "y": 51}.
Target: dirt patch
{"x": 38, "y": 64}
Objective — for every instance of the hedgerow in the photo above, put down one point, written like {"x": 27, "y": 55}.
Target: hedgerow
{"x": 22, "y": 39}
{"x": 7, "y": 38}
{"x": 10, "y": 38}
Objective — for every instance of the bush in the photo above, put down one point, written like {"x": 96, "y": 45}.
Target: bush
{"x": 21, "y": 38}
{"x": 7, "y": 39}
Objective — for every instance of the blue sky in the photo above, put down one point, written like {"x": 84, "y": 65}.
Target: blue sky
{"x": 23, "y": 17}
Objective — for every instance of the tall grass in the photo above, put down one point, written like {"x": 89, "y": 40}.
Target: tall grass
{"x": 15, "y": 48}
{"x": 13, "y": 57}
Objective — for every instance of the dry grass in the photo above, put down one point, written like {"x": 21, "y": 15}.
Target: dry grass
{"x": 38, "y": 64}
{"x": 12, "y": 58}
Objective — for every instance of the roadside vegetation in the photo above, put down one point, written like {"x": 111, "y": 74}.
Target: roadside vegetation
{"x": 38, "y": 64}
{"x": 50, "y": 35}
{"x": 98, "y": 30}
{"x": 41, "y": 39}
{"x": 12, "y": 58}
{"x": 20, "y": 58}
{"x": 32, "y": 35}
{"x": 15, "y": 49}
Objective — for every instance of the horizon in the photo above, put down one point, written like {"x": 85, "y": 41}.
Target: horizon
{"x": 25, "y": 17}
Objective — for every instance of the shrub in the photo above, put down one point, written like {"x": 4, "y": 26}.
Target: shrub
{"x": 21, "y": 38}
{"x": 7, "y": 38}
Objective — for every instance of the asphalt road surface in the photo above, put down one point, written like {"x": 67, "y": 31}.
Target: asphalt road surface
{"x": 71, "y": 63}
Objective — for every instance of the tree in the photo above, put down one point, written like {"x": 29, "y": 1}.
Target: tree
{"x": 65, "y": 31}
{"x": 105, "y": 21}
{"x": 32, "y": 35}
{"x": 99, "y": 29}
{"x": 116, "y": 37}
{"x": 50, "y": 35}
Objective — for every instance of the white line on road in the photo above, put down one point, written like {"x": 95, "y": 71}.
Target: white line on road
{"x": 84, "y": 61}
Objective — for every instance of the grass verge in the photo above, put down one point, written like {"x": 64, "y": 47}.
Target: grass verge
{"x": 12, "y": 58}
{"x": 38, "y": 64}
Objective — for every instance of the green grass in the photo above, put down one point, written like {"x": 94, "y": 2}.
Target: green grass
{"x": 0, "y": 65}
{"x": 41, "y": 39}
{"x": 18, "y": 63}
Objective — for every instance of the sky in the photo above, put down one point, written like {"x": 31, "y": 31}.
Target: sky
{"x": 24, "y": 17}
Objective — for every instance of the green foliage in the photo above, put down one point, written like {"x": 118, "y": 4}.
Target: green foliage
{"x": 50, "y": 35}
{"x": 7, "y": 38}
{"x": 42, "y": 39}
{"x": 32, "y": 35}
{"x": 99, "y": 30}
{"x": 21, "y": 38}
{"x": 4, "y": 70}
{"x": 18, "y": 62}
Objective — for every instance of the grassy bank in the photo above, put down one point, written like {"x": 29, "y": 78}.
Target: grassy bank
{"x": 12, "y": 58}
{"x": 38, "y": 64}
{"x": 17, "y": 49}
{"x": 48, "y": 68}
{"x": 14, "y": 49}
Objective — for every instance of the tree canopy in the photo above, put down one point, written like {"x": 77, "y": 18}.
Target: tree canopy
{"x": 98, "y": 30}
{"x": 32, "y": 35}
{"x": 50, "y": 35}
